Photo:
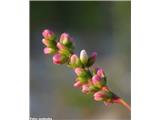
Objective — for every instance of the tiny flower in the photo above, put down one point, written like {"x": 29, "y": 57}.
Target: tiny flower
{"x": 83, "y": 57}
{"x": 75, "y": 61}
{"x": 79, "y": 71}
{"x": 97, "y": 81}
{"x": 60, "y": 46}
{"x": 85, "y": 89}
{"x": 45, "y": 42}
{"x": 47, "y": 34}
{"x": 65, "y": 38}
{"x": 78, "y": 84}
{"x": 92, "y": 59}
{"x": 59, "y": 59}
{"x": 93, "y": 56}
{"x": 100, "y": 95}
{"x": 100, "y": 72}
{"x": 48, "y": 50}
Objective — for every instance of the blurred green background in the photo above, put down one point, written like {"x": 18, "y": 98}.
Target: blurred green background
{"x": 104, "y": 27}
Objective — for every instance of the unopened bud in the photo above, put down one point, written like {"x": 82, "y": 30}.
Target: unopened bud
{"x": 45, "y": 42}
{"x": 75, "y": 61}
{"x": 48, "y": 50}
{"x": 60, "y": 46}
{"x": 49, "y": 35}
{"x": 79, "y": 71}
{"x": 100, "y": 96}
{"x": 78, "y": 84}
{"x": 100, "y": 72}
{"x": 83, "y": 57}
{"x": 92, "y": 59}
{"x": 65, "y": 39}
{"x": 97, "y": 81}
{"x": 85, "y": 89}
{"x": 59, "y": 59}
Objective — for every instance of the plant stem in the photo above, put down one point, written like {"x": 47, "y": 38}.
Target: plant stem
{"x": 122, "y": 102}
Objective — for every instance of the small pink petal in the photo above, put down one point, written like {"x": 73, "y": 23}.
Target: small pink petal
{"x": 85, "y": 89}
{"x": 78, "y": 84}
{"x": 47, "y": 34}
{"x": 100, "y": 72}
{"x": 57, "y": 59}
{"x": 60, "y": 46}
{"x": 45, "y": 42}
{"x": 96, "y": 79}
{"x": 64, "y": 36}
{"x": 47, "y": 50}
{"x": 94, "y": 55}
{"x": 78, "y": 71}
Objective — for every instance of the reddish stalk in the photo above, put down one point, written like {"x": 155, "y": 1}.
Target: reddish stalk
{"x": 122, "y": 102}
{"x": 118, "y": 99}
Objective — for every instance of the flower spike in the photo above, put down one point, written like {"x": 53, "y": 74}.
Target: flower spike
{"x": 90, "y": 79}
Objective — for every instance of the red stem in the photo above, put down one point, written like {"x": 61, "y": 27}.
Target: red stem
{"x": 118, "y": 99}
{"x": 122, "y": 102}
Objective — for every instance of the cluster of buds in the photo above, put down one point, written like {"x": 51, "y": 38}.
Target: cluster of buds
{"x": 61, "y": 49}
{"x": 90, "y": 79}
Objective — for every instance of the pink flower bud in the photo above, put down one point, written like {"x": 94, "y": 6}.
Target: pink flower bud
{"x": 74, "y": 58}
{"x": 60, "y": 46}
{"x": 79, "y": 71}
{"x": 67, "y": 41}
{"x": 47, "y": 34}
{"x": 84, "y": 57}
{"x": 45, "y": 42}
{"x": 100, "y": 72}
{"x": 48, "y": 50}
{"x": 100, "y": 95}
{"x": 96, "y": 79}
{"x": 78, "y": 84}
{"x": 85, "y": 89}
{"x": 93, "y": 56}
{"x": 59, "y": 59}
{"x": 92, "y": 59}
{"x": 64, "y": 38}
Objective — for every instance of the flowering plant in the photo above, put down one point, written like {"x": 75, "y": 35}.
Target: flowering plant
{"x": 90, "y": 79}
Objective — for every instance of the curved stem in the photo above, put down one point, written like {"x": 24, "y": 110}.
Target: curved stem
{"x": 117, "y": 99}
{"x": 122, "y": 102}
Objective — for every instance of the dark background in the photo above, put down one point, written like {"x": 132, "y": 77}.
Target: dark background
{"x": 103, "y": 27}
